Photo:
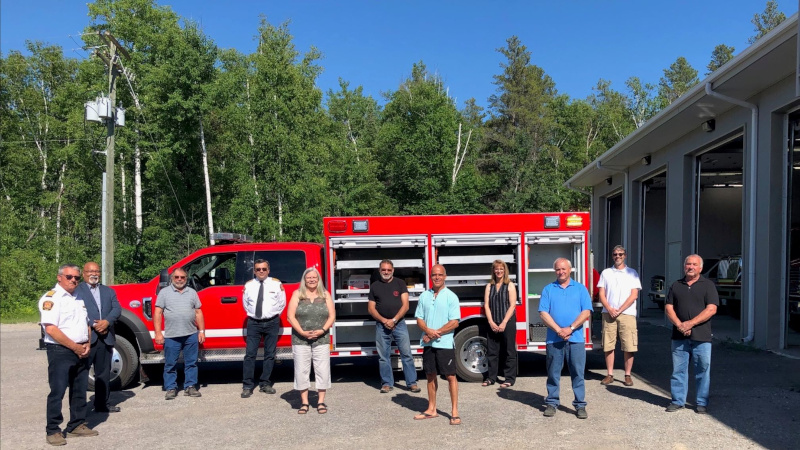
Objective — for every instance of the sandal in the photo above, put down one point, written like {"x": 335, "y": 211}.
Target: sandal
{"x": 506, "y": 385}
{"x": 303, "y": 409}
{"x": 455, "y": 420}
{"x": 322, "y": 408}
{"x": 487, "y": 383}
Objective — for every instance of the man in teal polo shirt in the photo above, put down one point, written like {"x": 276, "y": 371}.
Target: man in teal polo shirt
{"x": 564, "y": 307}
{"x": 438, "y": 314}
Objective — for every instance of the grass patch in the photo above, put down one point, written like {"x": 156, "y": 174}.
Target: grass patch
{"x": 19, "y": 317}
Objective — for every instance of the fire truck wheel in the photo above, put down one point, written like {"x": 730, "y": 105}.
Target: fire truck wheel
{"x": 471, "y": 354}
{"x": 124, "y": 365}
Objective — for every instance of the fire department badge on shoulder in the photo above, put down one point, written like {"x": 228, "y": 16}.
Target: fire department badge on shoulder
{"x": 47, "y": 305}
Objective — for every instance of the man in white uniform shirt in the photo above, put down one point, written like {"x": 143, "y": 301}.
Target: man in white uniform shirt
{"x": 263, "y": 300}
{"x": 618, "y": 289}
{"x": 66, "y": 337}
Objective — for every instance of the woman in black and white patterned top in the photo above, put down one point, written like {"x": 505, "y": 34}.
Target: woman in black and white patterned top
{"x": 500, "y": 301}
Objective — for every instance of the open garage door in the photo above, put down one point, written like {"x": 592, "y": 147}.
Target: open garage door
{"x": 718, "y": 231}
{"x": 793, "y": 234}
{"x": 653, "y": 245}
{"x": 613, "y": 227}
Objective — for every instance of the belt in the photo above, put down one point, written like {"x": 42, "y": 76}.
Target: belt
{"x": 59, "y": 345}
{"x": 261, "y": 320}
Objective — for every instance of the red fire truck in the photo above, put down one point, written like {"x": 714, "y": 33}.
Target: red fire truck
{"x": 354, "y": 246}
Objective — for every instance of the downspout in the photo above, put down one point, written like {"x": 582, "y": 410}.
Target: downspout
{"x": 751, "y": 251}
{"x": 625, "y": 195}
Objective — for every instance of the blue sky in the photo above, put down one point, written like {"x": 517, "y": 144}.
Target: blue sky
{"x": 375, "y": 43}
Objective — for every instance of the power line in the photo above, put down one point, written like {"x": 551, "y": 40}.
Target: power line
{"x": 61, "y": 140}
{"x": 153, "y": 142}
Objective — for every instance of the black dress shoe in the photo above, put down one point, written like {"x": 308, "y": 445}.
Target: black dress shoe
{"x": 112, "y": 409}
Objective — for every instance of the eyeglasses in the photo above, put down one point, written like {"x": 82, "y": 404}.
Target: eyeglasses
{"x": 179, "y": 277}
{"x": 261, "y": 269}
{"x": 71, "y": 277}
{"x": 91, "y": 271}
{"x": 618, "y": 254}
{"x": 387, "y": 270}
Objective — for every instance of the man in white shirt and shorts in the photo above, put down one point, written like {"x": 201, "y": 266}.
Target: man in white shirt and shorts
{"x": 618, "y": 289}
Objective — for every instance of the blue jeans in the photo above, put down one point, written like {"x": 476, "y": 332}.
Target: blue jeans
{"x": 383, "y": 341}
{"x": 700, "y": 353}
{"x": 172, "y": 349}
{"x": 268, "y": 329}
{"x": 575, "y": 354}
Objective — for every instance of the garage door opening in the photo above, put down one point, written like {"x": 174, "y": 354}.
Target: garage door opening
{"x": 718, "y": 229}
{"x": 613, "y": 228}
{"x": 653, "y": 246}
{"x": 793, "y": 234}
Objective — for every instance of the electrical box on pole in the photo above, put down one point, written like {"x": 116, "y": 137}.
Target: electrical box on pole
{"x": 104, "y": 110}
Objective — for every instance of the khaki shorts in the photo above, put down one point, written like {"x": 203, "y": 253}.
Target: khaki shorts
{"x": 625, "y": 326}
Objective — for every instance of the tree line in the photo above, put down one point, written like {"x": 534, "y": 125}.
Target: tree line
{"x": 279, "y": 154}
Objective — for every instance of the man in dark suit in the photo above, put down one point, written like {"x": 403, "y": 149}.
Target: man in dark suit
{"x": 103, "y": 310}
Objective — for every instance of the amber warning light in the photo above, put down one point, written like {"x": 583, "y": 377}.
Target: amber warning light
{"x": 337, "y": 226}
{"x": 574, "y": 221}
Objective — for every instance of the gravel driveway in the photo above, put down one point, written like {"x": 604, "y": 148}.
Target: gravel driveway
{"x": 754, "y": 403}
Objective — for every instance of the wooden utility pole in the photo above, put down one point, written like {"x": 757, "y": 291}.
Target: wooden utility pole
{"x": 114, "y": 69}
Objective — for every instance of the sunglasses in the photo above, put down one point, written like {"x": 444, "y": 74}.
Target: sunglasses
{"x": 618, "y": 254}
{"x": 71, "y": 277}
{"x": 179, "y": 277}
{"x": 260, "y": 269}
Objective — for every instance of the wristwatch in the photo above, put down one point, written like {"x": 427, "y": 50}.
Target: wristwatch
{"x": 394, "y": 321}
{"x": 571, "y": 328}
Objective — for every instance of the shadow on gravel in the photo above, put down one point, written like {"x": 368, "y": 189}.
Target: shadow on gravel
{"x": 754, "y": 392}
{"x": 638, "y": 394}
{"x": 531, "y": 399}
{"x": 118, "y": 398}
{"x": 293, "y": 398}
{"x": 411, "y": 402}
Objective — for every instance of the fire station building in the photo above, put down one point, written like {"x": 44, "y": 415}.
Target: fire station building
{"x": 716, "y": 173}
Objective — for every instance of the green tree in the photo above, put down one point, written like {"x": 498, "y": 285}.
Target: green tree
{"x": 721, "y": 54}
{"x": 677, "y": 80}
{"x": 354, "y": 174}
{"x": 643, "y": 102}
{"x": 289, "y": 126}
{"x": 766, "y": 21}
{"x": 174, "y": 67}
{"x": 518, "y": 133}
{"x": 45, "y": 172}
{"x": 417, "y": 141}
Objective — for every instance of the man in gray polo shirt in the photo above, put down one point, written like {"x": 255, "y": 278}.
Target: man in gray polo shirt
{"x": 184, "y": 329}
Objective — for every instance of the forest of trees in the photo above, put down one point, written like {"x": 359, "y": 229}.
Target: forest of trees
{"x": 281, "y": 154}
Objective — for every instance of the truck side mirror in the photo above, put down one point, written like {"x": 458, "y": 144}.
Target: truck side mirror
{"x": 163, "y": 280}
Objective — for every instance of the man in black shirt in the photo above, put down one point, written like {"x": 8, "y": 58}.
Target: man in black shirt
{"x": 691, "y": 302}
{"x": 388, "y": 304}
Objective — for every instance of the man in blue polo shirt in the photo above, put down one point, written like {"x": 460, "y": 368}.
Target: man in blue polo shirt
{"x": 564, "y": 307}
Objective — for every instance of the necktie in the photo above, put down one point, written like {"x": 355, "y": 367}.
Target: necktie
{"x": 260, "y": 301}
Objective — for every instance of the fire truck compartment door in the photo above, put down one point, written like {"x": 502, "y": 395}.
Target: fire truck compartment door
{"x": 553, "y": 238}
{"x": 377, "y": 242}
{"x": 475, "y": 240}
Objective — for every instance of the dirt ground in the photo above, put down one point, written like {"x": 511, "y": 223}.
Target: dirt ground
{"x": 754, "y": 404}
